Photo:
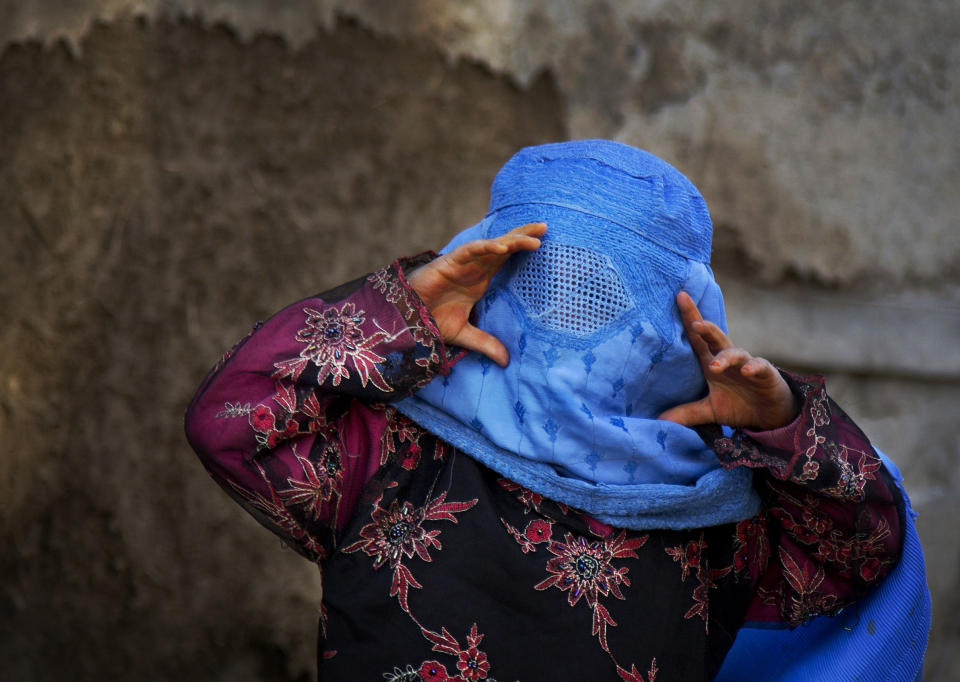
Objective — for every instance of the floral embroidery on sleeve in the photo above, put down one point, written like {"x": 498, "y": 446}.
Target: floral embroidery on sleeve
{"x": 831, "y": 523}
{"x": 392, "y": 283}
{"x": 335, "y": 338}
{"x": 806, "y": 599}
{"x": 852, "y": 479}
{"x": 274, "y": 511}
{"x": 321, "y": 483}
{"x": 751, "y": 546}
{"x": 278, "y": 390}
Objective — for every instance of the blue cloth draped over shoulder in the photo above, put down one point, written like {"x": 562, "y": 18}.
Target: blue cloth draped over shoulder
{"x": 881, "y": 638}
{"x": 597, "y": 348}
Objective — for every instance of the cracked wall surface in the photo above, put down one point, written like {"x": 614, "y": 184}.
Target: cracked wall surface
{"x": 164, "y": 162}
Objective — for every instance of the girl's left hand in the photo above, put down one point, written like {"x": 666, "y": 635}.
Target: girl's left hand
{"x": 744, "y": 391}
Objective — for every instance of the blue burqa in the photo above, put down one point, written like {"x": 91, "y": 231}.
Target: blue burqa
{"x": 597, "y": 347}
{"x": 597, "y": 352}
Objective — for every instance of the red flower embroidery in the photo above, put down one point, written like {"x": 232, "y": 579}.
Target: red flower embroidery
{"x": 399, "y": 430}
{"x": 538, "y": 531}
{"x": 262, "y": 419}
{"x": 317, "y": 487}
{"x": 853, "y": 480}
{"x": 804, "y": 535}
{"x": 398, "y": 532}
{"x": 688, "y": 556}
{"x": 275, "y": 437}
{"x": 816, "y": 521}
{"x": 870, "y": 568}
{"x": 751, "y": 546}
{"x": 384, "y": 282}
{"x": 584, "y": 569}
{"x": 530, "y": 499}
{"x": 433, "y": 671}
{"x": 819, "y": 412}
{"x": 810, "y": 471}
{"x": 411, "y": 458}
{"x": 804, "y": 578}
{"x": 473, "y": 664}
{"x": 394, "y": 533}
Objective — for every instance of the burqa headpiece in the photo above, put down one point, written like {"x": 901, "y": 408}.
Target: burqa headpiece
{"x": 597, "y": 348}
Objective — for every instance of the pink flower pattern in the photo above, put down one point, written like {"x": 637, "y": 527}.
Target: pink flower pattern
{"x": 334, "y": 340}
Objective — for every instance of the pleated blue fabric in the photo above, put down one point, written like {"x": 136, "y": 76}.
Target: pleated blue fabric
{"x": 881, "y": 638}
{"x": 596, "y": 344}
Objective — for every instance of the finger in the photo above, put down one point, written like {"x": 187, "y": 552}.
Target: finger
{"x": 730, "y": 357}
{"x": 520, "y": 242}
{"x": 715, "y": 337}
{"x": 500, "y": 246}
{"x": 479, "y": 253}
{"x": 690, "y": 315}
{"x": 472, "y": 338}
{"x": 690, "y": 414}
{"x": 758, "y": 368}
{"x": 689, "y": 312}
{"x": 530, "y": 229}
{"x": 482, "y": 247}
{"x": 523, "y": 238}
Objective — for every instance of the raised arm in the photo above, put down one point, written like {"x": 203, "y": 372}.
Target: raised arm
{"x": 831, "y": 527}
{"x": 288, "y": 421}
{"x": 292, "y": 423}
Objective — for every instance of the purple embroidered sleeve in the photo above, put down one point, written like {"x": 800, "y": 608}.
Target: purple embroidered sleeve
{"x": 290, "y": 422}
{"x": 831, "y": 528}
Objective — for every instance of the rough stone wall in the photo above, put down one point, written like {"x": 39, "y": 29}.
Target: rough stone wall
{"x": 159, "y": 195}
{"x": 172, "y": 170}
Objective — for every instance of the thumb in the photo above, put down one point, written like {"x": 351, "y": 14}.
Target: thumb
{"x": 472, "y": 338}
{"x": 690, "y": 414}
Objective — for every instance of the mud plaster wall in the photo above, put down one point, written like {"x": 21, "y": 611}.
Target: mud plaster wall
{"x": 166, "y": 181}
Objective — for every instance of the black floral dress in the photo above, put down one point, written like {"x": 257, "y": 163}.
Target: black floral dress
{"x": 436, "y": 568}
